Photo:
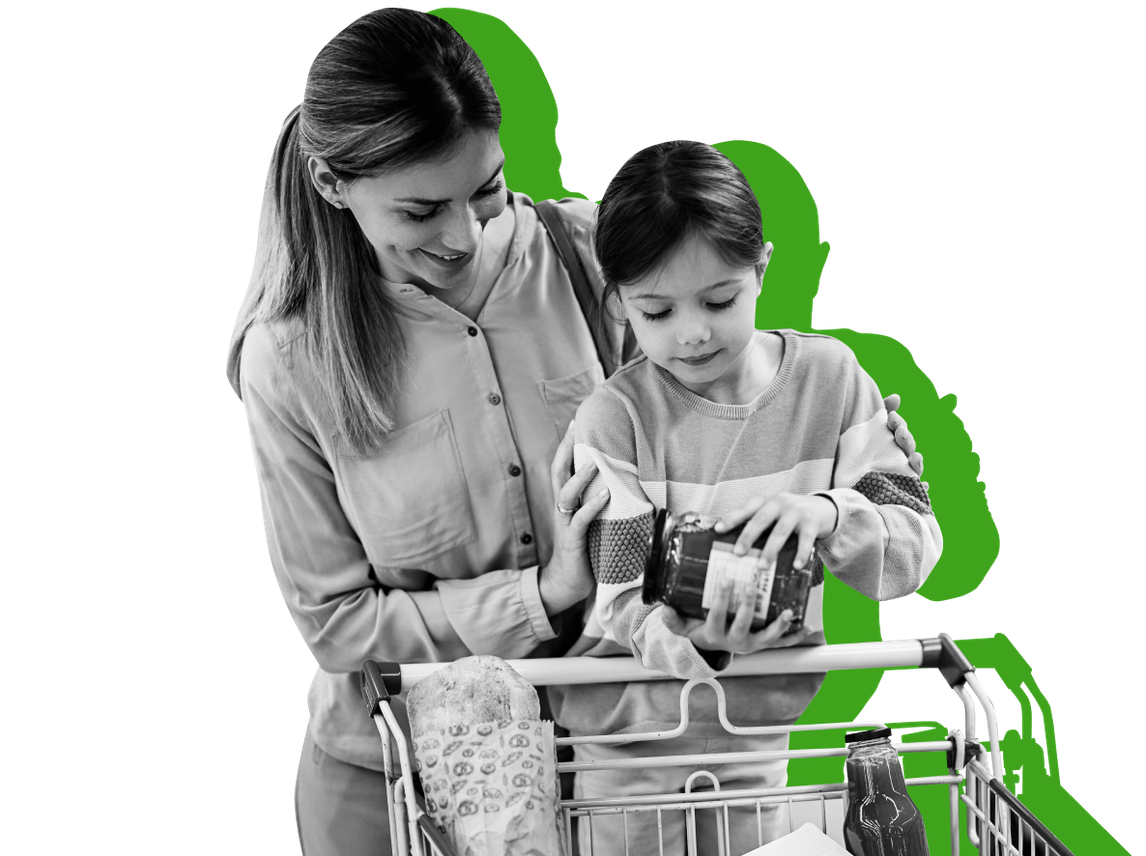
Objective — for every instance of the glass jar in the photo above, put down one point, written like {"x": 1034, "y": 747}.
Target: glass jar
{"x": 881, "y": 820}
{"x": 687, "y": 561}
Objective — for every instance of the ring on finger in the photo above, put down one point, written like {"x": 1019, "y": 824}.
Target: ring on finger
{"x": 568, "y": 512}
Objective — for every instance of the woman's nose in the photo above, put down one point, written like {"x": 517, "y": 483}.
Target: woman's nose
{"x": 463, "y": 231}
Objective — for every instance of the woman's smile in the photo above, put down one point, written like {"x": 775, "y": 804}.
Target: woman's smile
{"x": 450, "y": 261}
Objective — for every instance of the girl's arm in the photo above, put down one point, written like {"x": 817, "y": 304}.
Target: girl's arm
{"x": 620, "y": 622}
{"x": 874, "y": 527}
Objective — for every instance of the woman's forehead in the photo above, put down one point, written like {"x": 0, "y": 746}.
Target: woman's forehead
{"x": 457, "y": 173}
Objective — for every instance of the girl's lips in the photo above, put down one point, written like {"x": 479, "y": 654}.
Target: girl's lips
{"x": 698, "y": 361}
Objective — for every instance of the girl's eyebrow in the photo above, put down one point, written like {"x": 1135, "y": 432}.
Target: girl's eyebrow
{"x": 418, "y": 200}
{"x": 652, "y": 295}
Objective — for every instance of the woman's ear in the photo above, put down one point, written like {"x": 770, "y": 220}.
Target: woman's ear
{"x": 325, "y": 181}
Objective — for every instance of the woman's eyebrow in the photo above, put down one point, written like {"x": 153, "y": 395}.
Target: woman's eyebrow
{"x": 418, "y": 200}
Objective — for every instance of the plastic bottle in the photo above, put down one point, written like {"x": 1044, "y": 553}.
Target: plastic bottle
{"x": 881, "y": 819}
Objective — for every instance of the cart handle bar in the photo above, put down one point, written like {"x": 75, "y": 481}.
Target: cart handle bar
{"x": 381, "y": 680}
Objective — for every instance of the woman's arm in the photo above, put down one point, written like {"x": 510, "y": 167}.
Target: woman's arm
{"x": 903, "y": 438}
{"x": 344, "y": 613}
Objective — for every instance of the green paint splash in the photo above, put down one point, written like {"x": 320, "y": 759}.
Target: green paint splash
{"x": 970, "y": 538}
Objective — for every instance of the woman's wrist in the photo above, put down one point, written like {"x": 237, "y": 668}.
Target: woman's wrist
{"x": 556, "y": 594}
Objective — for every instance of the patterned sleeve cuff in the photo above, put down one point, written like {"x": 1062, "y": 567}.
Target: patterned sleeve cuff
{"x": 894, "y": 489}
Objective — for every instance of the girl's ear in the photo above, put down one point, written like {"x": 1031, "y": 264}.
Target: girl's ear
{"x": 614, "y": 307}
{"x": 763, "y": 266}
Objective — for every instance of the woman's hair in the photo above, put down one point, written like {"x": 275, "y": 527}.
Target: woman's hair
{"x": 395, "y": 88}
{"x": 663, "y": 195}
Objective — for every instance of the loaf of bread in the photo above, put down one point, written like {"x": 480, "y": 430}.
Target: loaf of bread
{"x": 488, "y": 763}
{"x": 470, "y": 691}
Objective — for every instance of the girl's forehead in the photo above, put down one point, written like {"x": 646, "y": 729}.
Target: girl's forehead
{"x": 694, "y": 265}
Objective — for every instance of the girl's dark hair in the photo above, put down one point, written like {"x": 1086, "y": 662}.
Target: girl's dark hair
{"x": 395, "y": 88}
{"x": 662, "y": 195}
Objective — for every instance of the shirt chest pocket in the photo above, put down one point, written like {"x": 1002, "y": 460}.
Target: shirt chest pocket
{"x": 564, "y": 395}
{"x": 409, "y": 502}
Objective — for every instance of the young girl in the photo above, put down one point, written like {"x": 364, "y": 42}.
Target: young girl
{"x": 741, "y": 426}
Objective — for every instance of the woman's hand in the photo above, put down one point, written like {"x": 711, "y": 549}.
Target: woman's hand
{"x": 568, "y": 579}
{"x": 717, "y": 633}
{"x": 898, "y": 426}
{"x": 810, "y": 517}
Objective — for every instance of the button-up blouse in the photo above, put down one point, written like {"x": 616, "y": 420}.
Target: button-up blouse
{"x": 429, "y": 549}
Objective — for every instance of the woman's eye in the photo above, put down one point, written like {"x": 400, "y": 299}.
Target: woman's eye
{"x": 423, "y": 217}
{"x": 655, "y": 316}
{"x": 491, "y": 191}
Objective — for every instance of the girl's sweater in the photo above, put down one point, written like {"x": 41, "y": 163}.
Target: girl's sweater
{"x": 819, "y": 428}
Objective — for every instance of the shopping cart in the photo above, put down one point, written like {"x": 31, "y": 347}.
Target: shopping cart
{"x": 997, "y": 824}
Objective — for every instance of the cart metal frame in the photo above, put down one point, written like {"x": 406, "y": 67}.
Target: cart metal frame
{"x": 997, "y": 823}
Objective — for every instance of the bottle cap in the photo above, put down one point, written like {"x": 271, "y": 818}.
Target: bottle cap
{"x": 874, "y": 734}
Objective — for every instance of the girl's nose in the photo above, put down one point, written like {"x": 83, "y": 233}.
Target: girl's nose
{"x": 692, "y": 330}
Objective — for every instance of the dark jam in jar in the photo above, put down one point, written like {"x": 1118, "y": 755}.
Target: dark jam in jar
{"x": 687, "y": 561}
{"x": 881, "y": 819}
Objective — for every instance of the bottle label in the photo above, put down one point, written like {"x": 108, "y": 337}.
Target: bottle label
{"x": 723, "y": 565}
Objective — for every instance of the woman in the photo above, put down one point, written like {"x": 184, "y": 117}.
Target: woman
{"x": 410, "y": 353}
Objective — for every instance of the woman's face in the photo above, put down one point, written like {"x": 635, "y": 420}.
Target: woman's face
{"x": 425, "y": 221}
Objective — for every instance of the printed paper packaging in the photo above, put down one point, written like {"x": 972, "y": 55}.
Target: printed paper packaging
{"x": 492, "y": 789}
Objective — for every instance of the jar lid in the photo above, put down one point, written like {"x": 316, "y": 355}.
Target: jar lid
{"x": 651, "y": 589}
{"x": 874, "y": 734}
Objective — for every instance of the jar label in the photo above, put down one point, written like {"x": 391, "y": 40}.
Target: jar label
{"x": 723, "y": 565}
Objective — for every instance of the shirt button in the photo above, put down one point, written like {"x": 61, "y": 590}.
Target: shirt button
{"x": 514, "y": 470}
{"x": 494, "y": 398}
{"x": 473, "y": 331}
{"x": 526, "y": 538}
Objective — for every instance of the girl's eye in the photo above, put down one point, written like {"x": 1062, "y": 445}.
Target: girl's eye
{"x": 655, "y": 316}
{"x": 721, "y": 306}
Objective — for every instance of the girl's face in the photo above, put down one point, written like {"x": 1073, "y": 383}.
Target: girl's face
{"x": 425, "y": 221}
{"x": 695, "y": 317}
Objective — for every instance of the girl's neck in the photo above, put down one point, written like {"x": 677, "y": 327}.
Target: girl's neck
{"x": 747, "y": 376}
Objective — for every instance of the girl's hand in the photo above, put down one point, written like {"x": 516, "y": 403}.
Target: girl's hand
{"x": 898, "y": 426}
{"x": 810, "y": 517}
{"x": 717, "y": 633}
{"x": 568, "y": 579}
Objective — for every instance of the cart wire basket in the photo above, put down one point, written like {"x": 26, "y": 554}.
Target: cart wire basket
{"x": 997, "y": 823}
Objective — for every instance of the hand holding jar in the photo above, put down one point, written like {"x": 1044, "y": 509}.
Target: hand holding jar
{"x": 723, "y": 599}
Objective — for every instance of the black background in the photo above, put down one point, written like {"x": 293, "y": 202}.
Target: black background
{"x": 872, "y": 127}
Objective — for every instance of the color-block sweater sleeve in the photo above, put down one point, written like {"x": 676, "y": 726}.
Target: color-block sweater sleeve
{"x": 886, "y": 539}
{"x": 619, "y": 621}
